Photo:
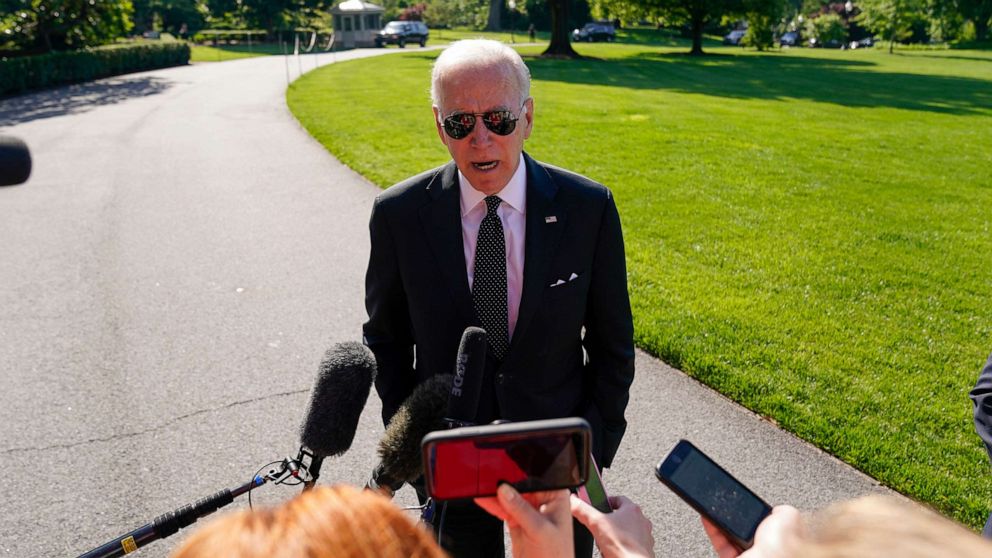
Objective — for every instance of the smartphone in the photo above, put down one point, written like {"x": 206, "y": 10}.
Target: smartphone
{"x": 713, "y": 492}
{"x": 473, "y": 461}
{"x": 593, "y": 492}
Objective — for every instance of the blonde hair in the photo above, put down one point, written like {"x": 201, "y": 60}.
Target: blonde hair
{"x": 478, "y": 54}
{"x": 883, "y": 526}
{"x": 339, "y": 521}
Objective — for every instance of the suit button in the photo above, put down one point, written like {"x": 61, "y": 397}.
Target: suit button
{"x": 499, "y": 378}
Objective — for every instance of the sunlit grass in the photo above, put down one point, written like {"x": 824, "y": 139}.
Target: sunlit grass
{"x": 807, "y": 231}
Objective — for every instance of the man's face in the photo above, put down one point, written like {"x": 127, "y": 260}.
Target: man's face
{"x": 487, "y": 160}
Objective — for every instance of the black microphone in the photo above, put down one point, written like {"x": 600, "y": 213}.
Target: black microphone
{"x": 400, "y": 459}
{"x": 466, "y": 386}
{"x": 343, "y": 383}
{"x": 336, "y": 402}
{"x": 15, "y": 161}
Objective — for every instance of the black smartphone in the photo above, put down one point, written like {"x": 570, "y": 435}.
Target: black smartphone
{"x": 593, "y": 492}
{"x": 713, "y": 492}
{"x": 473, "y": 461}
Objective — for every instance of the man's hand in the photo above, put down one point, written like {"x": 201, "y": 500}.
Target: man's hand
{"x": 539, "y": 522}
{"x": 625, "y": 533}
{"x": 776, "y": 537}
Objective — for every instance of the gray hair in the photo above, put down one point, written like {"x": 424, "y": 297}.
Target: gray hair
{"x": 480, "y": 53}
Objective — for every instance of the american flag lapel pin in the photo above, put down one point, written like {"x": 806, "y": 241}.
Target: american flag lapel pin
{"x": 550, "y": 219}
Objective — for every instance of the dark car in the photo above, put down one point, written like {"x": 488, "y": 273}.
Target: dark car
{"x": 734, "y": 37}
{"x": 402, "y": 32}
{"x": 596, "y": 31}
{"x": 790, "y": 38}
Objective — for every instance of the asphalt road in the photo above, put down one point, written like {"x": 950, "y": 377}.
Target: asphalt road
{"x": 170, "y": 277}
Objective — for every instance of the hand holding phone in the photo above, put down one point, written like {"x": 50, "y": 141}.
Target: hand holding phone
{"x": 472, "y": 462}
{"x": 713, "y": 492}
{"x": 593, "y": 492}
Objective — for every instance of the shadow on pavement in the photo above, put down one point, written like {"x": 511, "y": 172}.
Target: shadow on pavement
{"x": 78, "y": 98}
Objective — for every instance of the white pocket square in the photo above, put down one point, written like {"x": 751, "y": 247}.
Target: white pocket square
{"x": 559, "y": 282}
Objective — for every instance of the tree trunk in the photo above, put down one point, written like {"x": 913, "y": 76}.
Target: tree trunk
{"x": 495, "y": 9}
{"x": 982, "y": 27}
{"x": 560, "y": 46}
{"x": 697, "y": 34}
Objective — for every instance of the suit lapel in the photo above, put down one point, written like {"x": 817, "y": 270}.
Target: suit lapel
{"x": 442, "y": 222}
{"x": 546, "y": 219}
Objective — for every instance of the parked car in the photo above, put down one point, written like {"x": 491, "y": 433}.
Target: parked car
{"x": 734, "y": 37}
{"x": 790, "y": 38}
{"x": 832, "y": 43}
{"x": 402, "y": 32}
{"x": 595, "y": 31}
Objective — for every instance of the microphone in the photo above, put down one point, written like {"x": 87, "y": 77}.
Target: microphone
{"x": 400, "y": 459}
{"x": 466, "y": 386}
{"x": 15, "y": 161}
{"x": 343, "y": 383}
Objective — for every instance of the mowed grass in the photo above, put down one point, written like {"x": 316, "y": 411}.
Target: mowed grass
{"x": 807, "y": 231}
{"x": 222, "y": 53}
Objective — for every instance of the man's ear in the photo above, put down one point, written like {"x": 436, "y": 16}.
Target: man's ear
{"x": 528, "y": 117}
{"x": 437, "y": 124}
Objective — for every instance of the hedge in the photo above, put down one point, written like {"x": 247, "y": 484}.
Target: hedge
{"x": 60, "y": 68}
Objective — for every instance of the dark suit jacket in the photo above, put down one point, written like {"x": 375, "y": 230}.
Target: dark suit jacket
{"x": 982, "y": 396}
{"x": 419, "y": 303}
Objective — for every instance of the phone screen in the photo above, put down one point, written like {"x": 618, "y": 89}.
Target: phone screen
{"x": 593, "y": 492}
{"x": 713, "y": 492}
{"x": 475, "y": 465}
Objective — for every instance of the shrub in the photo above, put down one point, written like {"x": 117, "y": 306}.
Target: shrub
{"x": 60, "y": 68}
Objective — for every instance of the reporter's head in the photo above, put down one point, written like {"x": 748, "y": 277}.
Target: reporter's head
{"x": 882, "y": 526}
{"x": 322, "y": 523}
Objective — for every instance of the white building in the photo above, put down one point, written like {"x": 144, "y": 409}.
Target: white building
{"x": 356, "y": 23}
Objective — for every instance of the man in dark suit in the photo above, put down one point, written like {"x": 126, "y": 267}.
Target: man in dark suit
{"x": 531, "y": 253}
{"x": 982, "y": 397}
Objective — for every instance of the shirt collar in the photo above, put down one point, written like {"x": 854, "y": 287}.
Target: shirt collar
{"x": 513, "y": 194}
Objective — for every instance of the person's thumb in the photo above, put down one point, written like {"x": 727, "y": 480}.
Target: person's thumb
{"x": 582, "y": 511}
{"x": 517, "y": 508}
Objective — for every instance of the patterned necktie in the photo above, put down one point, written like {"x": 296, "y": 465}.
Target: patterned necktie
{"x": 489, "y": 284}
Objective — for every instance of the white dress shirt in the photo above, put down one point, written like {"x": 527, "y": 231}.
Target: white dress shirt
{"x": 512, "y": 213}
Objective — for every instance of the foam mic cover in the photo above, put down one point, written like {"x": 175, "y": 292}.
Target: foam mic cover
{"x": 337, "y": 399}
{"x": 466, "y": 386}
{"x": 15, "y": 161}
{"x": 421, "y": 413}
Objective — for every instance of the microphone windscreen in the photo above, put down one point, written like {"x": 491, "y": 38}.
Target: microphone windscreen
{"x": 337, "y": 399}
{"x": 418, "y": 416}
{"x": 470, "y": 366}
{"x": 15, "y": 161}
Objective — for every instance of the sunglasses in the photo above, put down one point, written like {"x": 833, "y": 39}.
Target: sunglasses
{"x": 461, "y": 124}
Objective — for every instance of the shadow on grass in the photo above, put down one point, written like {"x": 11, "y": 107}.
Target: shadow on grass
{"x": 777, "y": 76}
{"x": 79, "y": 98}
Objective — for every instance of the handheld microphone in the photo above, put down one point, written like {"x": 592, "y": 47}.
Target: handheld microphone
{"x": 466, "y": 386}
{"x": 400, "y": 459}
{"x": 343, "y": 383}
{"x": 15, "y": 161}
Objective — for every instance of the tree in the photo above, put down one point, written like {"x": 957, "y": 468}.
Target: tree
{"x": 696, "y": 14}
{"x": 762, "y": 16}
{"x": 46, "y": 25}
{"x": 890, "y": 19}
{"x": 980, "y": 14}
{"x": 560, "y": 46}
{"x": 827, "y": 28}
{"x": 495, "y": 10}
{"x": 167, "y": 15}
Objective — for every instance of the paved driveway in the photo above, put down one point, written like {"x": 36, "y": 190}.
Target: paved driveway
{"x": 171, "y": 275}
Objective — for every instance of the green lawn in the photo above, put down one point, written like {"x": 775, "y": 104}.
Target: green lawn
{"x": 808, "y": 231}
{"x": 221, "y": 53}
